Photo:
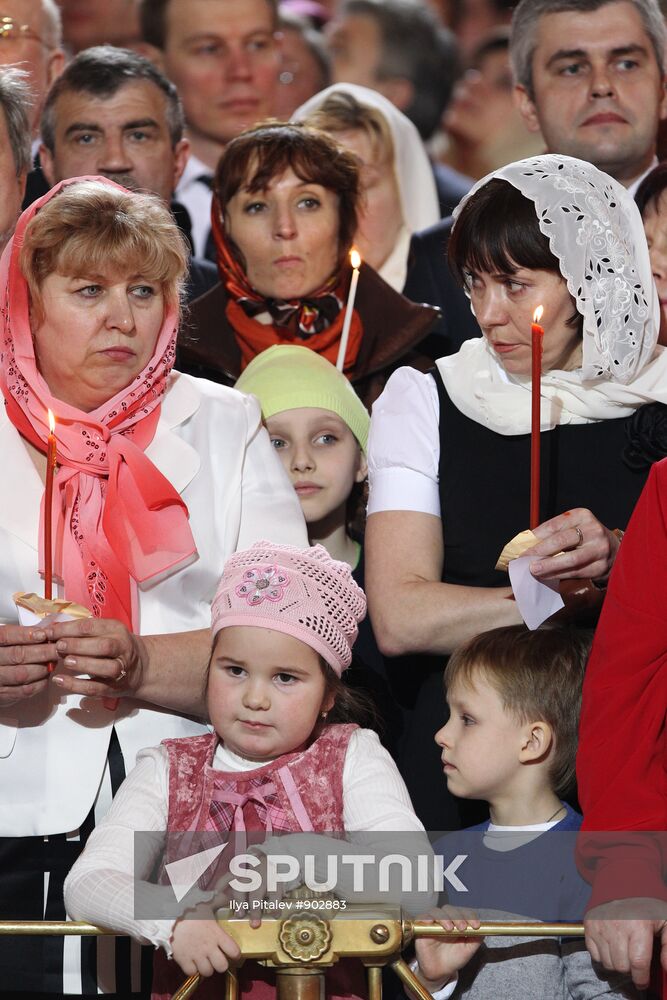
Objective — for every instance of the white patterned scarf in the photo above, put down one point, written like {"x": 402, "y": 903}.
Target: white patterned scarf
{"x": 596, "y": 233}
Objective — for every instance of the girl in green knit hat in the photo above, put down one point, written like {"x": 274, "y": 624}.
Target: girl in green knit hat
{"x": 319, "y": 427}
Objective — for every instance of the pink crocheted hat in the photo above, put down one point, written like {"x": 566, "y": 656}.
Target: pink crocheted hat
{"x": 301, "y": 592}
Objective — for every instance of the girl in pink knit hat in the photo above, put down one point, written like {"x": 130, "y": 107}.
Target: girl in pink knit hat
{"x": 283, "y": 757}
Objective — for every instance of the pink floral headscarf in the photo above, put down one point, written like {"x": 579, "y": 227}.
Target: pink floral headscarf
{"x": 117, "y": 520}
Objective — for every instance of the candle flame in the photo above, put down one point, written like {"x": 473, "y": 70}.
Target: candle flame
{"x": 355, "y": 259}
{"x": 52, "y": 423}
{"x": 537, "y": 315}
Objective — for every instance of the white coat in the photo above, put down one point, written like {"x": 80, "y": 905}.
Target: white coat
{"x": 210, "y": 445}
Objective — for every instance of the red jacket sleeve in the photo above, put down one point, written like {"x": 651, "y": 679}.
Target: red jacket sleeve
{"x": 621, "y": 763}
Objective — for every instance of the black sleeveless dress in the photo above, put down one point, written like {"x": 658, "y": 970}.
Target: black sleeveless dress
{"x": 484, "y": 496}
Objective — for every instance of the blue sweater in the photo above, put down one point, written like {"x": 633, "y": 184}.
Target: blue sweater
{"x": 537, "y": 878}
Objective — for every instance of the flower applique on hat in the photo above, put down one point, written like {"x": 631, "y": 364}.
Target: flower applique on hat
{"x": 262, "y": 583}
{"x": 300, "y": 592}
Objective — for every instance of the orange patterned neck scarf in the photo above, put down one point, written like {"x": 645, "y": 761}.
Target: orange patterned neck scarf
{"x": 315, "y": 322}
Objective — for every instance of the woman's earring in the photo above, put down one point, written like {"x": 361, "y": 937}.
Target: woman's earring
{"x": 323, "y": 715}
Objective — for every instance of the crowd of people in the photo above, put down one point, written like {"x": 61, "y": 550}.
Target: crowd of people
{"x": 267, "y": 285}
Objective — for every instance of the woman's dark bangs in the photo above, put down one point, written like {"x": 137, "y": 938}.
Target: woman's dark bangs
{"x": 271, "y": 162}
{"x": 274, "y": 160}
{"x": 497, "y": 232}
{"x": 489, "y": 248}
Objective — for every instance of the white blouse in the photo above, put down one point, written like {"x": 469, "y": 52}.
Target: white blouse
{"x": 404, "y": 445}
{"x": 211, "y": 446}
{"x": 101, "y": 885}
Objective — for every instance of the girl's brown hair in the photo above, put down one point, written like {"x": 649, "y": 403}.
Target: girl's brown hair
{"x": 342, "y": 112}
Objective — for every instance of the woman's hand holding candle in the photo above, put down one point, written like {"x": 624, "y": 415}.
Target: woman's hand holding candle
{"x": 25, "y": 654}
{"x": 573, "y": 545}
{"x": 112, "y": 656}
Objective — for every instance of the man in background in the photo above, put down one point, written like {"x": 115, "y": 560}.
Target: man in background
{"x": 590, "y": 74}
{"x": 99, "y": 22}
{"x": 14, "y": 147}
{"x": 31, "y": 39}
{"x": 113, "y": 113}
{"x": 224, "y": 57}
{"x": 400, "y": 49}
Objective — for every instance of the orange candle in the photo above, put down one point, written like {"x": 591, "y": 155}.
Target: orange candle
{"x": 537, "y": 333}
{"x": 48, "y": 505}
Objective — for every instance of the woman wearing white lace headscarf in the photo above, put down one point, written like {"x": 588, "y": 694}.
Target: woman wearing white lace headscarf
{"x": 449, "y": 453}
{"x": 396, "y": 177}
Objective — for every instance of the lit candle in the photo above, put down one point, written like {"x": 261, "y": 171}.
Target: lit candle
{"x": 355, "y": 261}
{"x": 537, "y": 334}
{"x": 48, "y": 505}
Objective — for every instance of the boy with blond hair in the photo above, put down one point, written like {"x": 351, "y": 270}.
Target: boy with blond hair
{"x": 511, "y": 740}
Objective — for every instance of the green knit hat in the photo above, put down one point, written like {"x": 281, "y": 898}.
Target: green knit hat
{"x": 287, "y": 377}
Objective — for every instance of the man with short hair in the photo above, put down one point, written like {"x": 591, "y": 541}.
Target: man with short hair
{"x": 224, "y": 57}
{"x": 31, "y": 38}
{"x": 400, "y": 49}
{"x": 14, "y": 147}
{"x": 590, "y": 75}
{"x": 113, "y": 113}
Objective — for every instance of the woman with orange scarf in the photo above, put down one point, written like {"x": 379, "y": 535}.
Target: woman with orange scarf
{"x": 284, "y": 215}
{"x": 159, "y": 478}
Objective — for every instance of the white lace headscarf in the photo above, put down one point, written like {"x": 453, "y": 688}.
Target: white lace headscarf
{"x": 414, "y": 174}
{"x": 596, "y": 233}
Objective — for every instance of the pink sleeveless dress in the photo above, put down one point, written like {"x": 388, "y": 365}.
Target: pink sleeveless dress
{"x": 299, "y": 792}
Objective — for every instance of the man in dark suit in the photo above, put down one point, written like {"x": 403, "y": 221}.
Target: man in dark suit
{"x": 591, "y": 75}
{"x": 430, "y": 280}
{"x": 225, "y": 58}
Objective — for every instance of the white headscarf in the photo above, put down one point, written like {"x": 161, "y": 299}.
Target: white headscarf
{"x": 416, "y": 184}
{"x": 596, "y": 233}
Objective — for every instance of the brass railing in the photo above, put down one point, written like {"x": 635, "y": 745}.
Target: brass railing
{"x": 301, "y": 946}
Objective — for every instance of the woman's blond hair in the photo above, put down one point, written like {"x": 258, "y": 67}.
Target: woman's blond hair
{"x": 89, "y": 228}
{"x": 342, "y": 112}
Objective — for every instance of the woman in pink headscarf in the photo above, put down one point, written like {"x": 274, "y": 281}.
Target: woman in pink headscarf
{"x": 160, "y": 477}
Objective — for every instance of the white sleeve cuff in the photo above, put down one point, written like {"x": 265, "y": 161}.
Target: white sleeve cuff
{"x": 403, "y": 489}
{"x": 404, "y": 445}
{"x": 444, "y": 992}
